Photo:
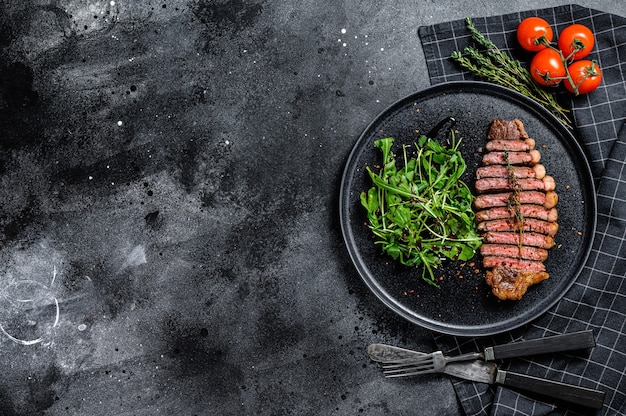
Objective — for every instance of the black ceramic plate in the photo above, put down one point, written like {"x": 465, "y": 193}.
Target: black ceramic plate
{"x": 464, "y": 304}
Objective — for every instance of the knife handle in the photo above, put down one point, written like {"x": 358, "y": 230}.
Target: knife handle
{"x": 554, "y": 389}
{"x": 555, "y": 343}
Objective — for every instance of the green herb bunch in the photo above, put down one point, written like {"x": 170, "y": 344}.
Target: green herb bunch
{"x": 421, "y": 213}
{"x": 488, "y": 62}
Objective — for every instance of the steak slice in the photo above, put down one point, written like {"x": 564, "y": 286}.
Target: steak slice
{"x": 503, "y": 199}
{"x": 511, "y": 284}
{"x": 510, "y": 145}
{"x": 514, "y": 263}
{"x": 508, "y": 250}
{"x": 506, "y": 130}
{"x": 526, "y": 210}
{"x": 529, "y": 158}
{"x": 525, "y": 184}
{"x": 513, "y": 225}
{"x": 527, "y": 239}
{"x": 537, "y": 171}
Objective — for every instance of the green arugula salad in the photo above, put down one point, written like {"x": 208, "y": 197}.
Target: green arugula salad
{"x": 421, "y": 212}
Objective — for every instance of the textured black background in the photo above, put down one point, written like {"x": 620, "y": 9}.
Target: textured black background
{"x": 169, "y": 174}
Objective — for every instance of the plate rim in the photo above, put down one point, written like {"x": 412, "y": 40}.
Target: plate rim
{"x": 375, "y": 287}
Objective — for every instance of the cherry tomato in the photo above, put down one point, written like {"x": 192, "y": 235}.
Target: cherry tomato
{"x": 547, "y": 67}
{"x": 586, "y": 75}
{"x": 576, "y": 42}
{"x": 532, "y": 32}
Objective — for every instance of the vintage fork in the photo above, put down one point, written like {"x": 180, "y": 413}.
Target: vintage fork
{"x": 432, "y": 363}
{"x": 415, "y": 364}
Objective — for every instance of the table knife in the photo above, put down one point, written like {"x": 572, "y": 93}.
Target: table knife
{"x": 484, "y": 372}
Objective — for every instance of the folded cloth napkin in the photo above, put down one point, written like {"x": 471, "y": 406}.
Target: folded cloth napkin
{"x": 597, "y": 300}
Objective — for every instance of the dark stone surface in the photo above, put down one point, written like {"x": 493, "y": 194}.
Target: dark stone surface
{"x": 169, "y": 175}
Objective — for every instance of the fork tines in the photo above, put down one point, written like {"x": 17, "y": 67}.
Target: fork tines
{"x": 408, "y": 369}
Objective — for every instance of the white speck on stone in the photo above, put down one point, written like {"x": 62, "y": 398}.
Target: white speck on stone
{"x": 112, "y": 3}
{"x": 345, "y": 44}
{"x": 343, "y": 30}
{"x": 90, "y": 177}
{"x": 382, "y": 49}
{"x": 119, "y": 123}
{"x": 82, "y": 327}
{"x": 227, "y": 142}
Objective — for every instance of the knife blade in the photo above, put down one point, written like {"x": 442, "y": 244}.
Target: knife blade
{"x": 486, "y": 372}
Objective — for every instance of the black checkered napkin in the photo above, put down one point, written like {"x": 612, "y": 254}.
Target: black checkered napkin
{"x": 597, "y": 300}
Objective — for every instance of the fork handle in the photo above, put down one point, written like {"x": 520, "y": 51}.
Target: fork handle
{"x": 554, "y": 389}
{"x": 555, "y": 343}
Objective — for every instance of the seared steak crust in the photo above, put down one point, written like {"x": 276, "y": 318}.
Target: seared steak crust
{"x": 509, "y": 283}
{"x": 506, "y": 130}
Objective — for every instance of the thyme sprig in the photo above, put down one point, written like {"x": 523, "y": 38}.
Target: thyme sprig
{"x": 489, "y": 62}
{"x": 514, "y": 200}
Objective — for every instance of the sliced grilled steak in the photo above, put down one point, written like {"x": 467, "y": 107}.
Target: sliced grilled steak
{"x": 512, "y": 225}
{"x": 525, "y": 184}
{"x": 514, "y": 263}
{"x": 537, "y": 171}
{"x": 512, "y": 284}
{"x": 517, "y": 210}
{"x": 508, "y": 250}
{"x": 503, "y": 199}
{"x": 528, "y": 239}
{"x": 506, "y": 130}
{"x": 510, "y": 145}
{"x": 529, "y": 158}
{"x": 526, "y": 210}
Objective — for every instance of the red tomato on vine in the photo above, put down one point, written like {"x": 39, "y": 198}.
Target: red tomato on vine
{"x": 533, "y": 33}
{"x": 547, "y": 67}
{"x": 586, "y": 76}
{"x": 576, "y": 42}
